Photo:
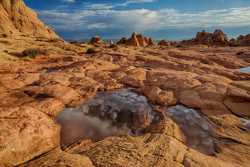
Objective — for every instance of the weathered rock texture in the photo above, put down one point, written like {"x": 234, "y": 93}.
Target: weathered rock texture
{"x": 15, "y": 17}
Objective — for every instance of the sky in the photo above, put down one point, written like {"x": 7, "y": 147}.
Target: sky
{"x": 160, "y": 19}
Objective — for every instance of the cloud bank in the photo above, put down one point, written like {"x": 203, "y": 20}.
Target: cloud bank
{"x": 106, "y": 17}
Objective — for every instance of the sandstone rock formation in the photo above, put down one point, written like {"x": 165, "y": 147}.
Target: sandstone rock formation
{"x": 136, "y": 40}
{"x": 25, "y": 133}
{"x": 164, "y": 43}
{"x": 96, "y": 40}
{"x": 243, "y": 40}
{"x": 218, "y": 37}
{"x": 15, "y": 17}
{"x": 167, "y": 43}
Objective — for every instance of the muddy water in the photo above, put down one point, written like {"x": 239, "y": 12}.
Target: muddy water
{"x": 197, "y": 130}
{"x": 115, "y": 113}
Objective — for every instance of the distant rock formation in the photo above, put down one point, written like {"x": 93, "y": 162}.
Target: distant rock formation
{"x": 137, "y": 40}
{"x": 167, "y": 43}
{"x": 164, "y": 43}
{"x": 16, "y": 17}
{"x": 243, "y": 40}
{"x": 96, "y": 40}
{"x": 218, "y": 38}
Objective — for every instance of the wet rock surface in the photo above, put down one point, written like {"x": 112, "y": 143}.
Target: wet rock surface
{"x": 196, "y": 128}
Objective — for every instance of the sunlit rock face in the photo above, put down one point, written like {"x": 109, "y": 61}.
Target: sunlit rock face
{"x": 197, "y": 130}
{"x": 115, "y": 113}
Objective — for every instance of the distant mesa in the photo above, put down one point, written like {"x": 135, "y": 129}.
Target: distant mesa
{"x": 137, "y": 40}
{"x": 17, "y": 18}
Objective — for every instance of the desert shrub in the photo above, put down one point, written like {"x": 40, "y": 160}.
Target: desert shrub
{"x": 113, "y": 46}
{"x": 91, "y": 50}
{"x": 55, "y": 40}
{"x": 32, "y": 53}
{"x": 205, "y": 61}
{"x": 3, "y": 35}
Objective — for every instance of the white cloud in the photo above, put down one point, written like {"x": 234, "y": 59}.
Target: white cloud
{"x": 69, "y": 1}
{"x": 137, "y": 1}
{"x": 105, "y": 17}
{"x": 99, "y": 6}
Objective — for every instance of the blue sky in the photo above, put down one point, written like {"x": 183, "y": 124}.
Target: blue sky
{"x": 170, "y": 19}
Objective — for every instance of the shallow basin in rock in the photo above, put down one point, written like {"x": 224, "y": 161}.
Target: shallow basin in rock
{"x": 245, "y": 69}
{"x": 197, "y": 130}
{"x": 246, "y": 123}
{"x": 114, "y": 113}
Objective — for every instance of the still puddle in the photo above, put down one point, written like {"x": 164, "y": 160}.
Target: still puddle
{"x": 124, "y": 112}
{"x": 246, "y": 70}
{"x": 246, "y": 124}
{"x": 115, "y": 113}
{"x": 196, "y": 129}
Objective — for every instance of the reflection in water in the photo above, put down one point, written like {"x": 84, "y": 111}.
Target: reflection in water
{"x": 246, "y": 123}
{"x": 246, "y": 69}
{"x": 108, "y": 114}
{"x": 196, "y": 128}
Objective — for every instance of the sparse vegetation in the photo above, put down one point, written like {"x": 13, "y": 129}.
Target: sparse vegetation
{"x": 91, "y": 51}
{"x": 32, "y": 53}
{"x": 114, "y": 46}
{"x": 4, "y": 35}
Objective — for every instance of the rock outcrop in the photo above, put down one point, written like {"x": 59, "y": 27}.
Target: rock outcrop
{"x": 136, "y": 40}
{"x": 25, "y": 134}
{"x": 217, "y": 38}
{"x": 164, "y": 43}
{"x": 16, "y": 17}
{"x": 243, "y": 40}
{"x": 167, "y": 43}
{"x": 96, "y": 40}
